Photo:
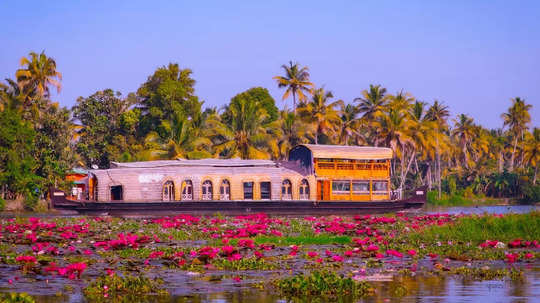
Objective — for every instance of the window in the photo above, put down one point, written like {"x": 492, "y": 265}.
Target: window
{"x": 168, "y": 191}
{"x": 341, "y": 187}
{"x": 380, "y": 186}
{"x": 117, "y": 192}
{"x": 248, "y": 190}
{"x": 265, "y": 190}
{"x": 360, "y": 187}
{"x": 207, "y": 192}
{"x": 225, "y": 190}
{"x": 187, "y": 190}
{"x": 286, "y": 190}
{"x": 304, "y": 190}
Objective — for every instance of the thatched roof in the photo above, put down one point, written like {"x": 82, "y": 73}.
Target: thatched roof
{"x": 349, "y": 152}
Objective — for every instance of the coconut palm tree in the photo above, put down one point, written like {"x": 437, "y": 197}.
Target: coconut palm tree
{"x": 293, "y": 132}
{"x": 464, "y": 132}
{"x": 438, "y": 113}
{"x": 296, "y": 81}
{"x": 243, "y": 131}
{"x": 532, "y": 150}
{"x": 321, "y": 113}
{"x": 517, "y": 119}
{"x": 372, "y": 101}
{"x": 37, "y": 74}
{"x": 393, "y": 130}
{"x": 350, "y": 124}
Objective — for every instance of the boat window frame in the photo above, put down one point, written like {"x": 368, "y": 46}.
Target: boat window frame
{"x": 184, "y": 186}
{"x": 252, "y": 189}
{"x": 346, "y": 183}
{"x": 284, "y": 194}
{"x": 304, "y": 190}
{"x": 375, "y": 191}
{"x": 268, "y": 195}
{"x": 226, "y": 196}
{"x": 360, "y": 192}
{"x": 121, "y": 192}
{"x": 169, "y": 184}
{"x": 207, "y": 196}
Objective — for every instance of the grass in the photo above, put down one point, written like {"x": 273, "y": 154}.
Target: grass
{"x": 477, "y": 229}
{"x": 326, "y": 284}
{"x": 458, "y": 200}
{"x": 322, "y": 239}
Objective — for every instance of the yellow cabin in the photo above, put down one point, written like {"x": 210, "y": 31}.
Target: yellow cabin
{"x": 355, "y": 173}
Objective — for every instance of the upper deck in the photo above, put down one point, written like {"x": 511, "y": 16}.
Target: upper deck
{"x": 333, "y": 161}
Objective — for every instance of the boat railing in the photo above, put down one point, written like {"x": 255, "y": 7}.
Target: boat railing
{"x": 304, "y": 197}
{"x": 286, "y": 197}
{"x": 207, "y": 196}
{"x": 224, "y": 197}
{"x": 187, "y": 197}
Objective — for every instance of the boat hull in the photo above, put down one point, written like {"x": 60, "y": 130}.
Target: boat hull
{"x": 58, "y": 201}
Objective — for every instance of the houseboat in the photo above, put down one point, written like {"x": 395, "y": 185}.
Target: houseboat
{"x": 315, "y": 179}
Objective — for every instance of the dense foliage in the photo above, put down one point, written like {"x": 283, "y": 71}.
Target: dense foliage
{"x": 165, "y": 119}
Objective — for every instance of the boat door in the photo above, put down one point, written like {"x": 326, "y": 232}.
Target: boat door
{"x": 323, "y": 190}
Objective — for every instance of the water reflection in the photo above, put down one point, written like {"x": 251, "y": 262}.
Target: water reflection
{"x": 497, "y": 209}
{"x": 428, "y": 288}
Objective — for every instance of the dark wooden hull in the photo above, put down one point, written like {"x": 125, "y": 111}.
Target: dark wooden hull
{"x": 58, "y": 201}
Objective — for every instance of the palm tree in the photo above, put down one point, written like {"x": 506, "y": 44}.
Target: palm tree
{"x": 464, "y": 132}
{"x": 321, "y": 113}
{"x": 438, "y": 113}
{"x": 350, "y": 124}
{"x": 532, "y": 150}
{"x": 517, "y": 119}
{"x": 296, "y": 80}
{"x": 243, "y": 131}
{"x": 293, "y": 132}
{"x": 372, "y": 101}
{"x": 37, "y": 75}
{"x": 393, "y": 130}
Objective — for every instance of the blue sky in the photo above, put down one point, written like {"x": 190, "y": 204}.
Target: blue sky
{"x": 472, "y": 55}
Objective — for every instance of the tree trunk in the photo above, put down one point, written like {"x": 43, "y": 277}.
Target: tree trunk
{"x": 513, "y": 155}
{"x": 404, "y": 176}
{"x": 428, "y": 175}
{"x": 294, "y": 101}
{"x": 438, "y": 167}
{"x": 535, "y": 173}
{"x": 500, "y": 162}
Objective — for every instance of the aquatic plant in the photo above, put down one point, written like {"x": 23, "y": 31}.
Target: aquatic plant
{"x": 125, "y": 289}
{"x": 322, "y": 284}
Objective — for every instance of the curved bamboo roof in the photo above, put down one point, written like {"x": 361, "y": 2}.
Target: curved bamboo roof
{"x": 349, "y": 152}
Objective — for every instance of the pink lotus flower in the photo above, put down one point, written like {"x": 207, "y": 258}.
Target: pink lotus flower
{"x": 26, "y": 259}
{"x": 312, "y": 254}
{"x": 372, "y": 247}
{"x": 512, "y": 258}
{"x": 379, "y": 256}
{"x": 258, "y": 254}
{"x": 348, "y": 253}
{"x": 337, "y": 258}
{"x": 529, "y": 256}
{"x": 227, "y": 250}
{"x": 235, "y": 257}
{"x": 411, "y": 252}
{"x": 433, "y": 256}
{"x": 110, "y": 272}
{"x": 87, "y": 252}
{"x": 319, "y": 260}
{"x": 394, "y": 253}
{"x": 155, "y": 254}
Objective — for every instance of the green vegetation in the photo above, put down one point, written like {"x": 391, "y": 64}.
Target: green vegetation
{"x": 322, "y": 284}
{"x": 16, "y": 297}
{"x": 165, "y": 119}
{"x": 477, "y": 229}
{"x": 323, "y": 239}
{"x": 485, "y": 273}
{"x": 126, "y": 289}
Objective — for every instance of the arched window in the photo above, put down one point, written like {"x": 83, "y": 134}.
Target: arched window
{"x": 207, "y": 192}
{"x": 225, "y": 190}
{"x": 286, "y": 190}
{"x": 168, "y": 191}
{"x": 187, "y": 190}
{"x": 304, "y": 190}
